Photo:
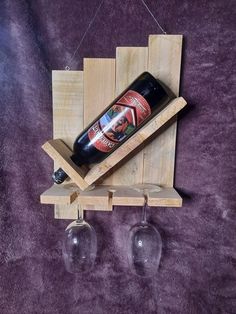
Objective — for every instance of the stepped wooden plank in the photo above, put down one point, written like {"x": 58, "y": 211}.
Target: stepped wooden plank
{"x": 67, "y": 89}
{"x": 164, "y": 63}
{"x": 68, "y": 112}
{"x": 130, "y": 62}
{"x": 99, "y": 86}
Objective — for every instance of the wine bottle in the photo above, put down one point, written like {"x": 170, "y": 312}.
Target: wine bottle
{"x": 144, "y": 98}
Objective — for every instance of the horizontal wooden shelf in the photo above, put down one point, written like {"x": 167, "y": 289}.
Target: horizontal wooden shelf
{"x": 103, "y": 197}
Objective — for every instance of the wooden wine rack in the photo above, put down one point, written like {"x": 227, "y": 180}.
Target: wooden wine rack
{"x": 148, "y": 157}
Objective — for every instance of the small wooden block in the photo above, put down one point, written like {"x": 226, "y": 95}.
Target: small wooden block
{"x": 60, "y": 194}
{"x": 100, "y": 198}
{"x": 138, "y": 138}
{"x": 167, "y": 197}
{"x": 61, "y": 154}
{"x": 66, "y": 211}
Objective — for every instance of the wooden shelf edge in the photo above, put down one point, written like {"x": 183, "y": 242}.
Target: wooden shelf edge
{"x": 64, "y": 194}
{"x": 104, "y": 197}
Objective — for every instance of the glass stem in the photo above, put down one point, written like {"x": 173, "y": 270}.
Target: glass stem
{"x": 80, "y": 213}
{"x": 144, "y": 211}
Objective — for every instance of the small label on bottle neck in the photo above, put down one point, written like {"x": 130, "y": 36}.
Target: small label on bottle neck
{"x": 120, "y": 121}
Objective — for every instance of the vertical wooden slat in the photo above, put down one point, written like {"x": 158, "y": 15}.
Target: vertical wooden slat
{"x": 130, "y": 62}
{"x": 67, "y": 89}
{"x": 67, "y": 93}
{"x": 164, "y": 62}
{"x": 99, "y": 86}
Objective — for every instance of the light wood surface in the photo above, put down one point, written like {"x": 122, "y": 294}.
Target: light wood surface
{"x": 168, "y": 197}
{"x": 63, "y": 194}
{"x": 130, "y": 62}
{"x": 128, "y": 196}
{"x": 138, "y": 138}
{"x": 103, "y": 197}
{"x": 164, "y": 63}
{"x": 67, "y": 88}
{"x": 68, "y": 112}
{"x": 99, "y": 86}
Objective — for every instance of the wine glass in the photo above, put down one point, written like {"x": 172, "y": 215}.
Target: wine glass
{"x": 79, "y": 246}
{"x": 144, "y": 246}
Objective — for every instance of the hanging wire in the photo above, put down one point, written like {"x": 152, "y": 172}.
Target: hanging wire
{"x": 150, "y": 12}
{"x": 92, "y": 21}
{"x": 85, "y": 33}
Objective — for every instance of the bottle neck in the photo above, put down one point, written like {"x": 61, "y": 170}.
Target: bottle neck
{"x": 77, "y": 160}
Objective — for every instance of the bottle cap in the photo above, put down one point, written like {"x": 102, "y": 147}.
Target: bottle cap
{"x": 59, "y": 176}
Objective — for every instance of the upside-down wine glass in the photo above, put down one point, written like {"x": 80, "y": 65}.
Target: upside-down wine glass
{"x": 79, "y": 246}
{"x": 144, "y": 245}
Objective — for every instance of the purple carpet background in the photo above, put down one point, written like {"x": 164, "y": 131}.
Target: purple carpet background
{"x": 197, "y": 274}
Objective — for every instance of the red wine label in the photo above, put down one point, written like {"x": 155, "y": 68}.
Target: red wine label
{"x": 119, "y": 121}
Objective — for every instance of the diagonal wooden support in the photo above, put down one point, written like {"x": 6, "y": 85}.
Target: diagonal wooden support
{"x": 137, "y": 139}
{"x": 60, "y": 153}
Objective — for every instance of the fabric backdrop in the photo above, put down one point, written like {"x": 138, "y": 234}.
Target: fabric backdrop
{"x": 197, "y": 271}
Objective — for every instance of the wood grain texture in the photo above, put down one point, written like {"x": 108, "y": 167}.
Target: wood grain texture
{"x": 66, "y": 211}
{"x": 130, "y": 62}
{"x": 67, "y": 93}
{"x": 133, "y": 142}
{"x": 168, "y": 197}
{"x": 99, "y": 86}
{"x": 103, "y": 197}
{"x": 67, "y": 88}
{"x": 98, "y": 199}
{"x": 64, "y": 194}
{"x": 126, "y": 195}
{"x": 164, "y": 62}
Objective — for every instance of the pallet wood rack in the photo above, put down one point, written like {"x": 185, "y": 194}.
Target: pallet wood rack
{"x": 76, "y": 104}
